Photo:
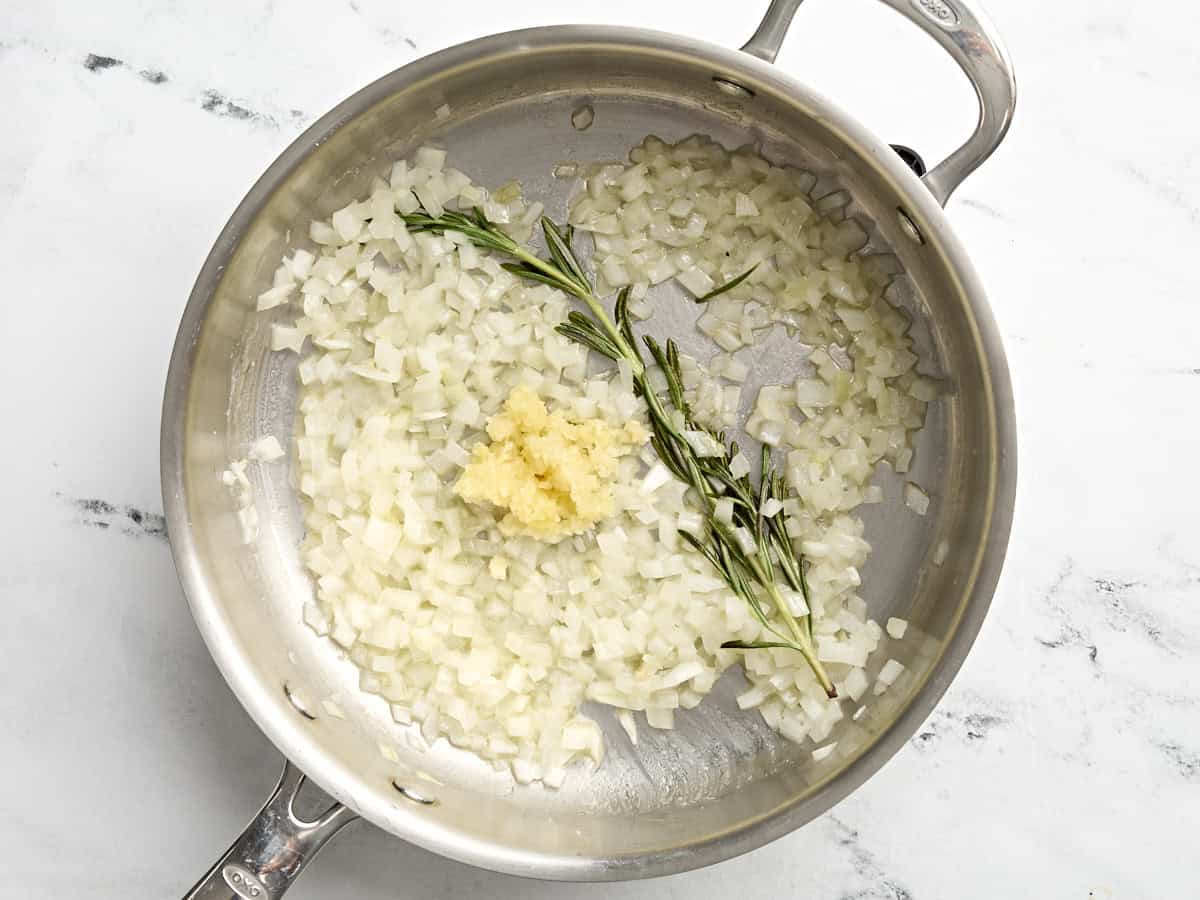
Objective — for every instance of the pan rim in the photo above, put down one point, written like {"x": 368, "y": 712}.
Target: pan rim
{"x": 267, "y": 707}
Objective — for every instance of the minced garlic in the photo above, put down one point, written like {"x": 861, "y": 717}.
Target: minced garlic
{"x": 552, "y": 475}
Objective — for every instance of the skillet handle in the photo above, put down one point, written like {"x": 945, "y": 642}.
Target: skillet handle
{"x": 966, "y": 34}
{"x": 273, "y": 850}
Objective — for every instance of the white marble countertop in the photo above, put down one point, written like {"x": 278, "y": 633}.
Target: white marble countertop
{"x": 1065, "y": 760}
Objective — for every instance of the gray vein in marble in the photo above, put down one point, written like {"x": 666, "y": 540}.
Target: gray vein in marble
{"x": 1069, "y": 635}
{"x": 1165, "y": 190}
{"x": 14, "y": 43}
{"x": 211, "y": 101}
{"x": 129, "y": 520}
{"x": 880, "y": 886}
{"x": 97, "y": 63}
{"x": 1185, "y": 761}
{"x": 974, "y": 726}
{"x": 220, "y": 105}
{"x": 1123, "y": 611}
{"x": 1120, "y": 604}
{"x": 990, "y": 211}
{"x": 389, "y": 36}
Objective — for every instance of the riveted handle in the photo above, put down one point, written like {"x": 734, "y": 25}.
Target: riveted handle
{"x": 962, "y": 29}
{"x": 274, "y": 849}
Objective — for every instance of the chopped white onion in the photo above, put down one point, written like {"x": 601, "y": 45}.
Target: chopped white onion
{"x": 745, "y": 540}
{"x": 723, "y": 511}
{"x": 266, "y": 449}
{"x": 275, "y": 296}
{"x": 822, "y": 752}
{"x": 696, "y": 280}
{"x": 739, "y": 466}
{"x": 915, "y": 498}
{"x": 285, "y": 337}
{"x": 656, "y": 478}
{"x": 629, "y": 723}
{"x": 744, "y": 207}
{"x": 888, "y": 674}
{"x": 855, "y": 684}
{"x": 896, "y": 627}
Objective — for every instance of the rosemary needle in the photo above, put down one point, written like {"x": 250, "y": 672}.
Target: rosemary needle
{"x": 727, "y": 286}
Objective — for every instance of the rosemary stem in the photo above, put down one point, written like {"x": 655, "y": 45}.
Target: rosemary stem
{"x": 762, "y": 568}
{"x": 803, "y": 641}
{"x": 592, "y": 302}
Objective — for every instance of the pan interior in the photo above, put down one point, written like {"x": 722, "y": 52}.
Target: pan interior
{"x": 651, "y": 808}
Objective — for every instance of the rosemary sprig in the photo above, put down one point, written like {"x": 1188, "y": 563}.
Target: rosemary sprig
{"x": 562, "y": 271}
{"x": 750, "y": 567}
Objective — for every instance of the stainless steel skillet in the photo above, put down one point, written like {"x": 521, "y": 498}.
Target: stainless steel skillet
{"x": 720, "y": 783}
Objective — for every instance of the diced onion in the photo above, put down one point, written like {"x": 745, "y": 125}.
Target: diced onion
{"x": 855, "y": 684}
{"x": 916, "y": 499}
{"x": 739, "y": 466}
{"x": 745, "y": 540}
{"x": 266, "y": 449}
{"x": 744, "y": 207}
{"x": 656, "y": 478}
{"x": 493, "y": 641}
{"x": 627, "y": 721}
{"x": 889, "y": 673}
{"x": 896, "y": 627}
{"x": 696, "y": 280}
{"x": 723, "y": 511}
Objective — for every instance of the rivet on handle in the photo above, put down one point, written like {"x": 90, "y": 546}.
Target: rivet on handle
{"x": 409, "y": 794}
{"x": 732, "y": 88}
